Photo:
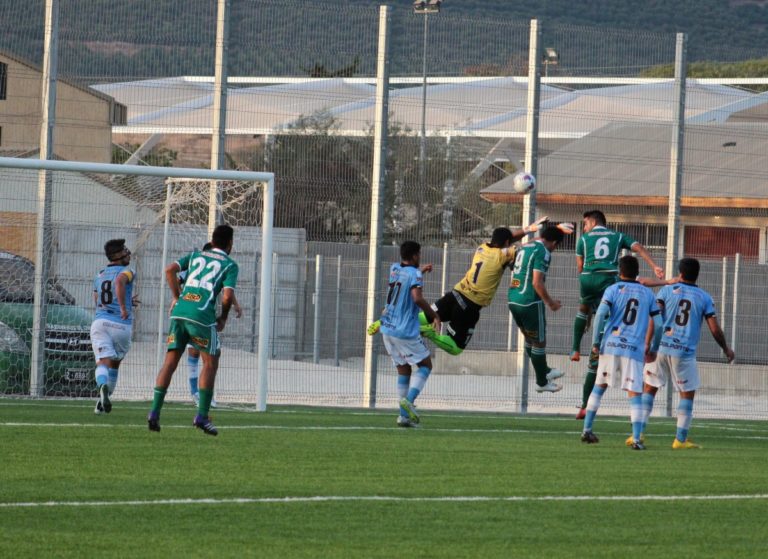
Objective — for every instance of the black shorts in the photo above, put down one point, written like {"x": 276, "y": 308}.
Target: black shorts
{"x": 459, "y": 315}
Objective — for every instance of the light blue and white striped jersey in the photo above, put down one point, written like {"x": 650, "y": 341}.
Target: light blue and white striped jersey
{"x": 107, "y": 306}
{"x": 400, "y": 318}
{"x": 632, "y": 305}
{"x": 685, "y": 307}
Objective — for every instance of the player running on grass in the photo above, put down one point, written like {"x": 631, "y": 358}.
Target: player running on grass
{"x": 400, "y": 330}
{"x": 459, "y": 309}
{"x": 113, "y": 324}
{"x": 193, "y": 319}
{"x": 685, "y": 306}
{"x": 526, "y": 299}
{"x": 624, "y": 316}
{"x": 597, "y": 255}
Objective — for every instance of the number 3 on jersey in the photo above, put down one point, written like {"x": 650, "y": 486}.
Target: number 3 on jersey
{"x": 197, "y": 267}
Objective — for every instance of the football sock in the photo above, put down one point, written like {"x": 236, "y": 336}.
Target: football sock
{"x": 636, "y": 416}
{"x": 589, "y": 385}
{"x": 194, "y": 372}
{"x": 158, "y": 399}
{"x": 579, "y": 325}
{"x": 647, "y": 402}
{"x": 684, "y": 416}
{"x": 102, "y": 375}
{"x": 539, "y": 361}
{"x": 206, "y": 395}
{"x": 112, "y": 382}
{"x": 403, "y": 381}
{"x": 418, "y": 380}
{"x": 593, "y": 404}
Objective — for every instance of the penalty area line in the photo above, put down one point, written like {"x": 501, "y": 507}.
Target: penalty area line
{"x": 383, "y": 498}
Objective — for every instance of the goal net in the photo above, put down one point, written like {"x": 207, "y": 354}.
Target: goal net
{"x": 162, "y": 213}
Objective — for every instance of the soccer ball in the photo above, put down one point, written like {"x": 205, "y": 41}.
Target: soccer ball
{"x": 523, "y": 182}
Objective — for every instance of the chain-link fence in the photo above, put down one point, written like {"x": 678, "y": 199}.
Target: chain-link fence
{"x": 300, "y": 103}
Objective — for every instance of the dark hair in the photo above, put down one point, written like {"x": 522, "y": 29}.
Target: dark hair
{"x": 409, "y": 249}
{"x": 597, "y": 215}
{"x": 500, "y": 237}
{"x": 113, "y": 247}
{"x": 207, "y": 246}
{"x": 222, "y": 236}
{"x": 552, "y": 234}
{"x": 629, "y": 267}
{"x": 689, "y": 269}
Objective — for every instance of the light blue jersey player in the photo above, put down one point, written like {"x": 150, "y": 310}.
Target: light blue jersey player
{"x": 400, "y": 329}
{"x": 112, "y": 327}
{"x": 624, "y": 314}
{"x": 686, "y": 306}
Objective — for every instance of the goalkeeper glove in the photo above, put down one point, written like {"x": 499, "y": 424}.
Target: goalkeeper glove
{"x": 536, "y": 225}
{"x": 566, "y": 228}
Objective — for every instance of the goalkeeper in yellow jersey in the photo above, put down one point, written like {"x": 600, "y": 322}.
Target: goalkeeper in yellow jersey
{"x": 459, "y": 309}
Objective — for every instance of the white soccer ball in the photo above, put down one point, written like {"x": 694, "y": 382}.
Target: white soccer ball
{"x": 523, "y": 182}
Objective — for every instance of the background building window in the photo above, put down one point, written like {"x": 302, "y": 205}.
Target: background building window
{"x": 3, "y": 80}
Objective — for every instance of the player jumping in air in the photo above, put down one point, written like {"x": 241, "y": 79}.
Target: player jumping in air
{"x": 684, "y": 306}
{"x": 459, "y": 309}
{"x": 597, "y": 254}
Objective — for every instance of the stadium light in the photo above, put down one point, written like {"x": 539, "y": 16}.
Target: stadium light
{"x": 552, "y": 57}
{"x": 427, "y": 7}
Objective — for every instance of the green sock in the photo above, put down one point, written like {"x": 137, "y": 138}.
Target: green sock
{"x": 579, "y": 326}
{"x": 589, "y": 384}
{"x": 204, "y": 406}
{"x": 539, "y": 361}
{"x": 158, "y": 399}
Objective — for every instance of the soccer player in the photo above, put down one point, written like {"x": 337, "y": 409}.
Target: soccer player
{"x": 113, "y": 324}
{"x": 597, "y": 254}
{"x": 459, "y": 309}
{"x": 526, "y": 299}
{"x": 400, "y": 330}
{"x": 193, "y": 319}
{"x": 684, "y": 306}
{"x": 193, "y": 354}
{"x": 624, "y": 316}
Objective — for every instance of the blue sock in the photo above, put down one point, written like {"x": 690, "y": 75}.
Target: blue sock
{"x": 636, "y": 416}
{"x": 102, "y": 375}
{"x": 593, "y": 404}
{"x": 418, "y": 380}
{"x": 646, "y": 401}
{"x": 684, "y": 416}
{"x": 112, "y": 382}
{"x": 194, "y": 372}
{"x": 402, "y": 390}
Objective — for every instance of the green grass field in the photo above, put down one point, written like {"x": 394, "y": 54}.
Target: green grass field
{"x": 297, "y": 482}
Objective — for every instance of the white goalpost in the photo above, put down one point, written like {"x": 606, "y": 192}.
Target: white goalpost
{"x": 56, "y": 233}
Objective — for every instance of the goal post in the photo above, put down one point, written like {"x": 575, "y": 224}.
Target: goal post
{"x": 163, "y": 213}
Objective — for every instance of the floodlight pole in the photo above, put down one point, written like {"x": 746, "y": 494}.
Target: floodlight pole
{"x": 219, "y": 125}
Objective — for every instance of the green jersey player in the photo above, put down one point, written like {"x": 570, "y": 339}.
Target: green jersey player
{"x": 597, "y": 255}
{"x": 194, "y": 320}
{"x": 526, "y": 299}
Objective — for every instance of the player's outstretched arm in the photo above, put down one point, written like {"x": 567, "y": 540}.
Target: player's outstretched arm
{"x": 601, "y": 314}
{"x": 653, "y": 282}
{"x": 172, "y": 278}
{"x": 719, "y": 336}
{"x": 429, "y": 312}
{"x": 658, "y": 271}
{"x": 120, "y": 283}
{"x": 227, "y": 300}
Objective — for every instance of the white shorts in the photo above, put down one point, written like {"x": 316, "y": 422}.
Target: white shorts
{"x": 110, "y": 340}
{"x": 410, "y": 351}
{"x": 631, "y": 372}
{"x": 683, "y": 370}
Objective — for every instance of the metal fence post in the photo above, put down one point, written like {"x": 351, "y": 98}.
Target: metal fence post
{"x": 735, "y": 309}
{"x": 337, "y": 325}
{"x": 316, "y": 300}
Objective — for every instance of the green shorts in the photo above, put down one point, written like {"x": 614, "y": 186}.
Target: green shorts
{"x": 530, "y": 319}
{"x": 184, "y": 332}
{"x": 592, "y": 286}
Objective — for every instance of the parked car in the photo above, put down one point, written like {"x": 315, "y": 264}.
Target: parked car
{"x": 68, "y": 360}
